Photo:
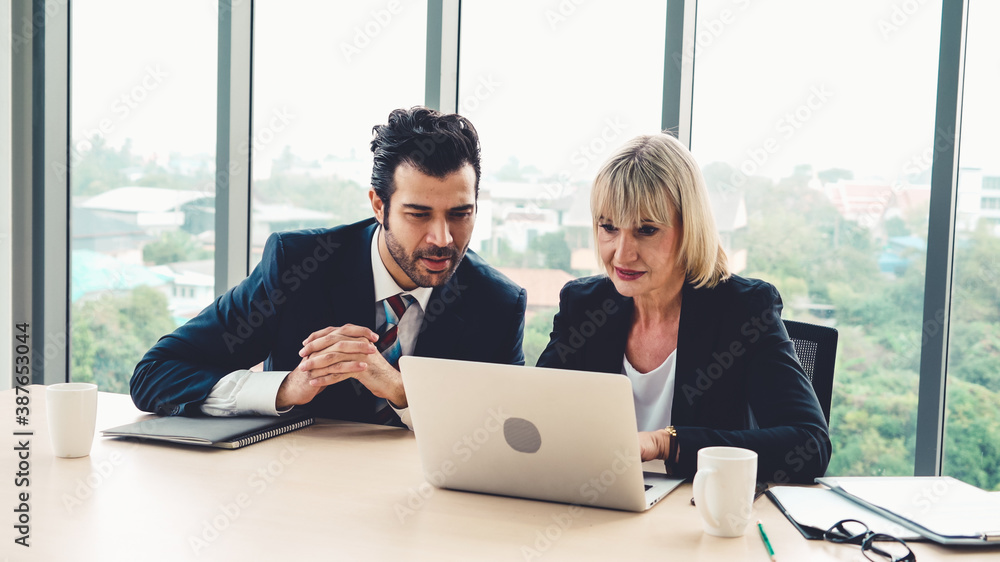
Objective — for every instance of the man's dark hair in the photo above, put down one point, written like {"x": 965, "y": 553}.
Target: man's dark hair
{"x": 434, "y": 143}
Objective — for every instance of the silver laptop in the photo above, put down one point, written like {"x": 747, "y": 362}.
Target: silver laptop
{"x": 530, "y": 432}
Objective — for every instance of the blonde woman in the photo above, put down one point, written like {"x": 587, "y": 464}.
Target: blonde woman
{"x": 706, "y": 351}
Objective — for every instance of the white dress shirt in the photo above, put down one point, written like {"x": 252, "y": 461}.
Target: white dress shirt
{"x": 653, "y": 393}
{"x": 246, "y": 392}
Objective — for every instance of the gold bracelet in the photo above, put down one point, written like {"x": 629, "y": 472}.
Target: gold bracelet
{"x": 671, "y": 449}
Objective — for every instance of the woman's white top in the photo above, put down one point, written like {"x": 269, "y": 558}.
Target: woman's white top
{"x": 653, "y": 393}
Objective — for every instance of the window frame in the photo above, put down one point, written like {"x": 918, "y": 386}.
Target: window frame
{"x": 39, "y": 245}
{"x": 929, "y": 448}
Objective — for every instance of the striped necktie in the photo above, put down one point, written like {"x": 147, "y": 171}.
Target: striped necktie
{"x": 390, "y": 347}
{"x": 388, "y": 344}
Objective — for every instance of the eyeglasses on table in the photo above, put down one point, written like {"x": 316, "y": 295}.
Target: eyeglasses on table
{"x": 877, "y": 547}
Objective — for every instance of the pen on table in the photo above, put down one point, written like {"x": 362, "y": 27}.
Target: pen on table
{"x": 767, "y": 543}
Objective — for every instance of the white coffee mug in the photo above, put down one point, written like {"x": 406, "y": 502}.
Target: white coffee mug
{"x": 723, "y": 489}
{"x": 72, "y": 415}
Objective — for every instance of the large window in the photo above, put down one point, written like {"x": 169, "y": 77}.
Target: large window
{"x": 553, "y": 91}
{"x": 823, "y": 131}
{"x": 324, "y": 74}
{"x": 814, "y": 125}
{"x": 142, "y": 169}
{"x": 972, "y": 427}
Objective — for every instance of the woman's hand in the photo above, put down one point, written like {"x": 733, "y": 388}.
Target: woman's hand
{"x": 654, "y": 444}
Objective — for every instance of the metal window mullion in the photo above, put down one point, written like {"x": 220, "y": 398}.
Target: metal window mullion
{"x": 678, "y": 68}
{"x": 6, "y": 202}
{"x": 233, "y": 142}
{"x": 54, "y": 176}
{"x": 40, "y": 182}
{"x": 929, "y": 450}
{"x": 443, "y": 29}
{"x": 22, "y": 90}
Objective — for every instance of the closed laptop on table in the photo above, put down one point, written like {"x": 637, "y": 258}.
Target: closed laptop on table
{"x": 221, "y": 433}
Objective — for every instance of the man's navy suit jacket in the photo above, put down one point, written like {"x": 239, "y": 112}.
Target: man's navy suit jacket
{"x": 308, "y": 280}
{"x": 738, "y": 381}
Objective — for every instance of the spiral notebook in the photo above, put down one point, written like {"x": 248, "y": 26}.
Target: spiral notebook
{"x": 222, "y": 433}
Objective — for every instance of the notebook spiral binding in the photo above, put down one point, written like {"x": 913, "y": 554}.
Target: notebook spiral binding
{"x": 250, "y": 440}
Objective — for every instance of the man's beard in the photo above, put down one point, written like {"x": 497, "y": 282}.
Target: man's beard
{"x": 410, "y": 263}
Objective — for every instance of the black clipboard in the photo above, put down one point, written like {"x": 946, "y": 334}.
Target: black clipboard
{"x": 810, "y": 533}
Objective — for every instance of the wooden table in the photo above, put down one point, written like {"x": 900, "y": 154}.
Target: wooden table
{"x": 332, "y": 491}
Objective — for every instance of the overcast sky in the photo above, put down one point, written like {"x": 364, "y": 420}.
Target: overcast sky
{"x": 850, "y": 84}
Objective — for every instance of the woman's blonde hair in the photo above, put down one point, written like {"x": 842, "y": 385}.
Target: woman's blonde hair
{"x": 655, "y": 178}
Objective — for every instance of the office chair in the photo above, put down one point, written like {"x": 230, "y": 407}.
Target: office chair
{"x": 816, "y": 347}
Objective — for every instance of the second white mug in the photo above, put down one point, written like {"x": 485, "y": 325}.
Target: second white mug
{"x": 72, "y": 416}
{"x": 723, "y": 489}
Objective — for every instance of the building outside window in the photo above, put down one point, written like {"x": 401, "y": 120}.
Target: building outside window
{"x": 142, "y": 178}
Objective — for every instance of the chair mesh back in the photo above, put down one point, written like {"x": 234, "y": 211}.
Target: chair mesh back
{"x": 816, "y": 348}
{"x": 806, "y": 350}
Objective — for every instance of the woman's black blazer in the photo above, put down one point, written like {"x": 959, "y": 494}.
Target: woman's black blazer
{"x": 738, "y": 382}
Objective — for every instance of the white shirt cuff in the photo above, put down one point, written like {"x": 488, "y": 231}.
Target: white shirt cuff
{"x": 404, "y": 415}
{"x": 244, "y": 392}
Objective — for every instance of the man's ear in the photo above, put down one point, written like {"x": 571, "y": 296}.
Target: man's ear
{"x": 377, "y": 206}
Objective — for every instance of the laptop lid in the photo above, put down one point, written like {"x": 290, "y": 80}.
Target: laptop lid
{"x": 530, "y": 432}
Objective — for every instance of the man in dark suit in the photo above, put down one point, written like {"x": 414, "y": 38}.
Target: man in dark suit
{"x": 343, "y": 304}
